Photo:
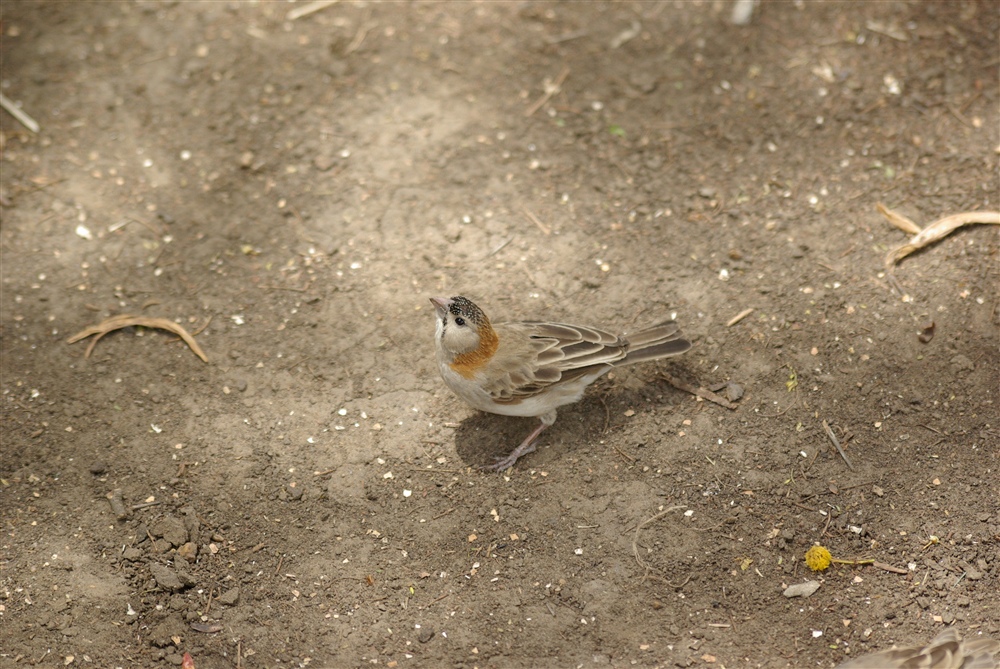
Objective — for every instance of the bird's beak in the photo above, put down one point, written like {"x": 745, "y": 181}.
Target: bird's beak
{"x": 441, "y": 304}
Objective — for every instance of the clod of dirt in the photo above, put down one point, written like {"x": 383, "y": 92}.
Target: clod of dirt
{"x": 230, "y": 597}
{"x": 98, "y": 468}
{"x": 191, "y": 522}
{"x": 118, "y": 505}
{"x": 425, "y": 635}
{"x": 169, "y": 579}
{"x": 171, "y": 626}
{"x": 962, "y": 363}
{"x": 171, "y": 529}
{"x": 734, "y": 392}
{"x": 927, "y": 333}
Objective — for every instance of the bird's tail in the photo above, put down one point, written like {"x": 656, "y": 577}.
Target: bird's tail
{"x": 659, "y": 341}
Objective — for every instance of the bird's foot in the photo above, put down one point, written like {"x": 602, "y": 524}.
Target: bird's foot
{"x": 507, "y": 462}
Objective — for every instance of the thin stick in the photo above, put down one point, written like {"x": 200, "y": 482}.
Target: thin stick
{"x": 308, "y": 8}
{"x": 443, "y": 514}
{"x": 836, "y": 442}
{"x": 625, "y": 455}
{"x": 700, "y": 392}
{"x": 294, "y": 364}
{"x": 853, "y": 562}
{"x": 888, "y": 567}
{"x": 202, "y": 328}
{"x": 114, "y": 227}
{"x": 196, "y": 332}
{"x": 498, "y": 248}
{"x": 534, "y": 219}
{"x": 635, "y": 549}
{"x": 15, "y": 111}
{"x": 738, "y": 317}
{"x": 359, "y": 38}
{"x": 897, "y": 219}
{"x": 447, "y": 594}
{"x": 635, "y": 538}
{"x": 551, "y": 88}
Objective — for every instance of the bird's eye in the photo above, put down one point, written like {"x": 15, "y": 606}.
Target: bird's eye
{"x": 459, "y": 321}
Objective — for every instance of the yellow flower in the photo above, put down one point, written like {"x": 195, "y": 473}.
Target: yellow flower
{"x": 818, "y": 558}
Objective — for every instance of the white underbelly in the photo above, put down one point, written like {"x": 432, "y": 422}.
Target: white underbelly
{"x": 550, "y": 399}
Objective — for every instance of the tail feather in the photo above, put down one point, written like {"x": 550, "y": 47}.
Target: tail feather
{"x": 660, "y": 341}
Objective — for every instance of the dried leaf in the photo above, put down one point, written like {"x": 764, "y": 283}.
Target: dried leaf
{"x": 207, "y": 628}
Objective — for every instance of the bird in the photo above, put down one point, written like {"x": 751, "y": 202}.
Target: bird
{"x": 531, "y": 368}
{"x": 945, "y": 651}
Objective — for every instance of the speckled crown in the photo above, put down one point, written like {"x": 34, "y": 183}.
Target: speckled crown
{"x": 463, "y": 306}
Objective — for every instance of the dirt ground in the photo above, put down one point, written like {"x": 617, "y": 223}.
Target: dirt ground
{"x": 292, "y": 190}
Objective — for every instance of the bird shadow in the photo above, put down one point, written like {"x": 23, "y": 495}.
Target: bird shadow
{"x": 484, "y": 438}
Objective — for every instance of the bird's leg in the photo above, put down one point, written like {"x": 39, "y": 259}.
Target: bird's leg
{"x": 527, "y": 446}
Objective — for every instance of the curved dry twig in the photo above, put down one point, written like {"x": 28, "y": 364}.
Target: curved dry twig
{"x": 635, "y": 542}
{"x": 935, "y": 231}
{"x": 124, "y": 321}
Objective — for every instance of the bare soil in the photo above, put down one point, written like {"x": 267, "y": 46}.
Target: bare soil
{"x": 293, "y": 191}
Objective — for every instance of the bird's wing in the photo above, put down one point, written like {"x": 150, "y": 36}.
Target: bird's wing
{"x": 946, "y": 651}
{"x": 534, "y": 356}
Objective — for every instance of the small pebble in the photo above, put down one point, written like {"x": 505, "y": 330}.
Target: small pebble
{"x": 188, "y": 551}
{"x": 801, "y": 589}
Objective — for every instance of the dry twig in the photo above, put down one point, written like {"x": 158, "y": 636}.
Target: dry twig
{"x": 18, "y": 113}
{"x": 888, "y": 567}
{"x": 124, "y": 321}
{"x": 360, "y": 36}
{"x": 836, "y": 442}
{"x": 308, "y": 8}
{"x": 738, "y": 317}
{"x": 534, "y": 219}
{"x": 551, "y": 88}
{"x": 700, "y": 392}
{"x": 635, "y": 538}
{"x": 934, "y": 232}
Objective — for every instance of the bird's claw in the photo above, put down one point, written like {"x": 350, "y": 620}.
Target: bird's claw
{"x": 508, "y": 461}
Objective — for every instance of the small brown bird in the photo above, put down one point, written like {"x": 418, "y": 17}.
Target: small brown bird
{"x": 532, "y": 368}
{"x": 946, "y": 651}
